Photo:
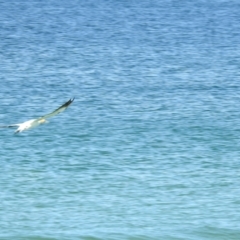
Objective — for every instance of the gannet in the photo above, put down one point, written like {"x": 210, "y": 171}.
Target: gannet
{"x": 36, "y": 122}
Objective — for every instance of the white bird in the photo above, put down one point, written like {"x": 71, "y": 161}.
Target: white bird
{"x": 36, "y": 122}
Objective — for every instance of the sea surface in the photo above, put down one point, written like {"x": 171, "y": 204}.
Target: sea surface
{"x": 149, "y": 149}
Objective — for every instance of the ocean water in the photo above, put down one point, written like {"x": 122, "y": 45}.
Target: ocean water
{"x": 149, "y": 149}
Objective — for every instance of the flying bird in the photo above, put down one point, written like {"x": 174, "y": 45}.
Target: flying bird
{"x": 38, "y": 121}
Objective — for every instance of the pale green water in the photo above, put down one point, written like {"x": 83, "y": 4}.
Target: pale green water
{"x": 150, "y": 147}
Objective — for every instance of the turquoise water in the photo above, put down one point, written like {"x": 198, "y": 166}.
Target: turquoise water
{"x": 149, "y": 149}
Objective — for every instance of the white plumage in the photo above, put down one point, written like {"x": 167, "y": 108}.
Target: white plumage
{"x": 36, "y": 122}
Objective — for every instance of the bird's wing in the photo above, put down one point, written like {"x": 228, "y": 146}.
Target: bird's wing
{"x": 58, "y": 110}
{"x": 10, "y": 126}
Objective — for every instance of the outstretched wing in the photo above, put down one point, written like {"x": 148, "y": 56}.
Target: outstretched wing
{"x": 58, "y": 110}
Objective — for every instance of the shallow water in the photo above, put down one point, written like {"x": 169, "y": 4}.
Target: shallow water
{"x": 150, "y": 147}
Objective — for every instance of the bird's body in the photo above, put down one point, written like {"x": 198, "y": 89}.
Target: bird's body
{"x": 29, "y": 124}
{"x": 38, "y": 121}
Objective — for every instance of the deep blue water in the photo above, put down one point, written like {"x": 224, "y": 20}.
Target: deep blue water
{"x": 150, "y": 148}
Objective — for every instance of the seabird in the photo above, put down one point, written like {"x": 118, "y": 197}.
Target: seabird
{"x": 36, "y": 122}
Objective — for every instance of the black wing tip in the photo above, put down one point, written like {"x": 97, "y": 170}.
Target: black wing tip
{"x": 68, "y": 102}
{"x": 71, "y": 100}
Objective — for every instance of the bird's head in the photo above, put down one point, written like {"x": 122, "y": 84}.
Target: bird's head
{"x": 41, "y": 121}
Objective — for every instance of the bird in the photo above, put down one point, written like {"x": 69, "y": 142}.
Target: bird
{"x": 38, "y": 121}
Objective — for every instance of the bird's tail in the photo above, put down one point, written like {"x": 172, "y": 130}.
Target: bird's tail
{"x": 8, "y": 126}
